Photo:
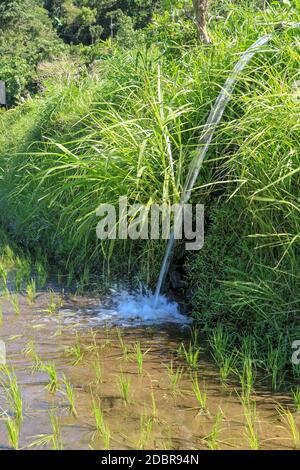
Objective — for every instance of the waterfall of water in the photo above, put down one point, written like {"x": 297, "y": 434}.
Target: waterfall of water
{"x": 213, "y": 121}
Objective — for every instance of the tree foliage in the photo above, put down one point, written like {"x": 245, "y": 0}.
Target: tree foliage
{"x": 84, "y": 20}
{"x": 26, "y": 38}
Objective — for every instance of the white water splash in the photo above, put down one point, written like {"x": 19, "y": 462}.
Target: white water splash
{"x": 142, "y": 309}
{"x": 126, "y": 309}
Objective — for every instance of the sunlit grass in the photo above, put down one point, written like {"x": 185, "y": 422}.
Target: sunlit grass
{"x": 124, "y": 387}
{"x": 14, "y": 300}
{"x": 212, "y": 440}
{"x": 296, "y": 398}
{"x": 97, "y": 368}
{"x": 13, "y": 391}
{"x": 249, "y": 408}
{"x": 31, "y": 291}
{"x": 51, "y": 371}
{"x": 191, "y": 354}
{"x": 291, "y": 425}
{"x": 146, "y": 430}
{"x": 175, "y": 376}
{"x": 13, "y": 432}
{"x": 70, "y": 394}
{"x": 200, "y": 394}
{"x": 53, "y": 439}
{"x": 102, "y": 428}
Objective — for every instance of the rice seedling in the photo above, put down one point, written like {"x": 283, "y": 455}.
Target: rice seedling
{"x": 53, "y": 439}
{"x": 219, "y": 344}
{"x": 227, "y": 367}
{"x": 101, "y": 427}
{"x": 31, "y": 292}
{"x": 249, "y": 408}
{"x": 124, "y": 387}
{"x": 30, "y": 351}
{"x": 14, "y": 300}
{"x": 93, "y": 347}
{"x": 52, "y": 305}
{"x": 5, "y": 292}
{"x": 76, "y": 352}
{"x": 200, "y": 395}
{"x": 19, "y": 278}
{"x": 296, "y": 398}
{"x": 41, "y": 274}
{"x": 50, "y": 369}
{"x": 191, "y": 355}
{"x": 247, "y": 377}
{"x": 123, "y": 346}
{"x": 291, "y": 425}
{"x": 3, "y": 274}
{"x": 22, "y": 273}
{"x": 275, "y": 364}
{"x": 98, "y": 370}
{"x": 175, "y": 376}
{"x": 146, "y": 429}
{"x": 57, "y": 443}
{"x": 212, "y": 439}
{"x": 69, "y": 390}
{"x": 139, "y": 354}
{"x": 9, "y": 382}
{"x": 13, "y": 432}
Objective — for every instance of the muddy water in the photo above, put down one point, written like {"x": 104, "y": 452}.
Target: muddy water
{"x": 154, "y": 416}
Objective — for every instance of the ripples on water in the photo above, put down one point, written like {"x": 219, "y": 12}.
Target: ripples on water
{"x": 123, "y": 308}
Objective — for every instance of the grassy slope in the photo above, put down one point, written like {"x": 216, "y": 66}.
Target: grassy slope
{"x": 108, "y": 138}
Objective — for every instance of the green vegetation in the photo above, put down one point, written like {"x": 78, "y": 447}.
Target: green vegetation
{"x": 70, "y": 394}
{"x": 53, "y": 439}
{"x": 124, "y": 387}
{"x": 8, "y": 381}
{"x": 27, "y": 40}
{"x": 212, "y": 439}
{"x": 101, "y": 427}
{"x": 291, "y": 425}
{"x": 13, "y": 432}
{"x": 122, "y": 117}
{"x": 175, "y": 377}
{"x": 200, "y": 395}
{"x": 250, "y": 417}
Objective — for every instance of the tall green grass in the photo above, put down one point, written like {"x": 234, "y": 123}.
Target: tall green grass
{"x": 132, "y": 129}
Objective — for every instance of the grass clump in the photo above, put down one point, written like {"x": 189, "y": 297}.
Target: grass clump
{"x": 101, "y": 427}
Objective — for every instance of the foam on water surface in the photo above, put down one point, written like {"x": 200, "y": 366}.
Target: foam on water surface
{"x": 122, "y": 308}
{"x": 143, "y": 308}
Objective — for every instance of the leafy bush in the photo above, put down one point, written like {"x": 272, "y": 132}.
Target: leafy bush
{"x": 26, "y": 38}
